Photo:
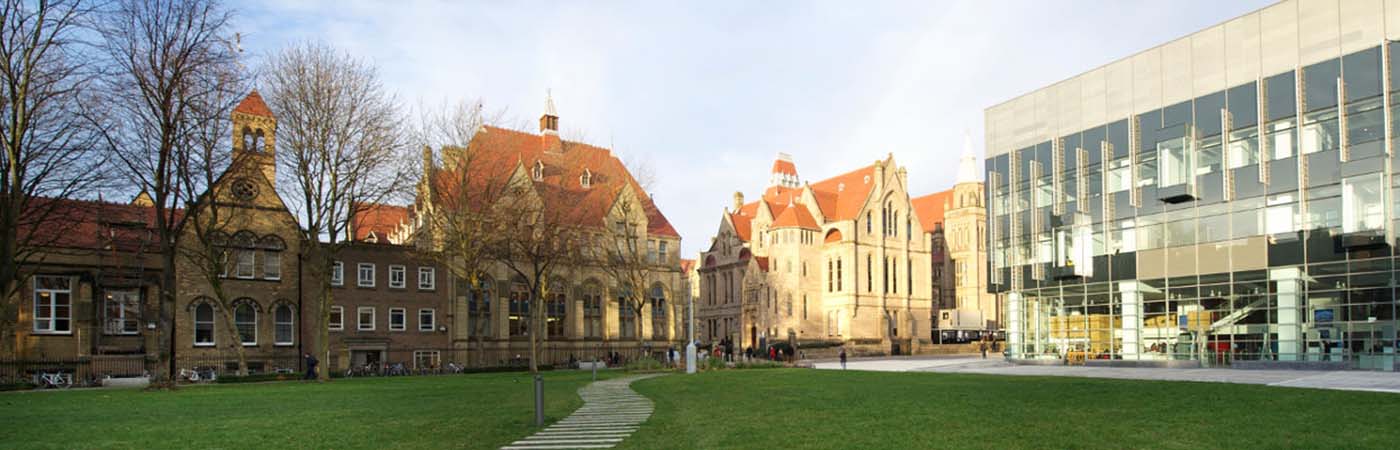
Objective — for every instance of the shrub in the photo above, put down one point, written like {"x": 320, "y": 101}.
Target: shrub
{"x": 713, "y": 364}
{"x": 257, "y": 378}
{"x": 643, "y": 364}
{"x": 759, "y": 364}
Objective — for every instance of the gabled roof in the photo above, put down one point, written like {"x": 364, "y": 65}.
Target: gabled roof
{"x": 796, "y": 217}
{"x": 91, "y": 225}
{"x": 379, "y": 220}
{"x": 743, "y": 220}
{"x": 253, "y": 105}
{"x": 784, "y": 166}
{"x": 687, "y": 265}
{"x": 497, "y": 152}
{"x": 762, "y": 262}
{"x": 930, "y": 208}
{"x": 841, "y": 197}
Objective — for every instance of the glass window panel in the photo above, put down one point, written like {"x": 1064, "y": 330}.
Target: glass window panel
{"x": 1319, "y": 132}
{"x": 1362, "y": 73}
{"x": 1363, "y": 203}
{"x": 1207, "y": 112}
{"x": 1366, "y": 123}
{"x": 1244, "y": 147}
{"x": 1282, "y": 136}
{"x": 1243, "y": 104}
{"x": 1174, "y": 165}
{"x": 1209, "y": 156}
{"x": 1320, "y": 85}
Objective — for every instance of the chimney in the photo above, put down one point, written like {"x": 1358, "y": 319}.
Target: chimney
{"x": 427, "y": 161}
{"x": 738, "y": 200}
{"x": 549, "y": 124}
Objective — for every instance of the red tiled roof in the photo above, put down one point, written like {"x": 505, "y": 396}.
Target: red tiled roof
{"x": 929, "y": 209}
{"x": 379, "y": 220}
{"x": 253, "y": 105}
{"x": 784, "y": 166}
{"x": 841, "y": 197}
{"x": 796, "y": 216}
{"x": 687, "y": 265}
{"x": 762, "y": 262}
{"x": 743, "y": 220}
{"x": 496, "y": 152}
{"x": 90, "y": 225}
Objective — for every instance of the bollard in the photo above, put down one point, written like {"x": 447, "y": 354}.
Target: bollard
{"x": 539, "y": 400}
{"x": 595, "y": 368}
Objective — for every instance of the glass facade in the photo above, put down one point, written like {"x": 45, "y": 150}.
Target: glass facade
{"x": 1249, "y": 224}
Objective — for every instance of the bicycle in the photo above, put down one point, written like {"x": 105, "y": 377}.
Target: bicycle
{"x": 56, "y": 380}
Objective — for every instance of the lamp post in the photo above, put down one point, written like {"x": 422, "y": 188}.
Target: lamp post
{"x": 690, "y": 345}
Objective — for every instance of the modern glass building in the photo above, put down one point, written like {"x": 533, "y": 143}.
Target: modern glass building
{"x": 1225, "y": 199}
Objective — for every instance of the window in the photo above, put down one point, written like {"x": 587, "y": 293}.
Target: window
{"x": 1363, "y": 204}
{"x": 593, "y": 311}
{"x": 366, "y": 318}
{"x": 272, "y": 265}
{"x": 519, "y": 319}
{"x": 626, "y": 318}
{"x": 122, "y": 313}
{"x": 426, "y": 359}
{"x": 658, "y": 313}
{"x": 244, "y": 266}
{"x": 804, "y": 306}
{"x": 662, "y": 251}
{"x": 283, "y": 326}
{"x": 427, "y": 319}
{"x": 366, "y": 275}
{"x": 651, "y": 251}
{"x": 427, "y": 278}
{"x": 838, "y": 275}
{"x": 396, "y": 276}
{"x": 338, "y": 274}
{"x": 868, "y": 220}
{"x": 204, "y": 325}
{"x": 1119, "y": 175}
{"x": 869, "y": 274}
{"x": 1244, "y": 147}
{"x": 245, "y": 319}
{"x": 397, "y": 319}
{"x": 555, "y": 310}
{"x": 538, "y": 171}
{"x": 1174, "y": 162}
{"x": 337, "y": 320}
{"x": 586, "y": 180}
{"x": 53, "y": 304}
{"x": 479, "y": 303}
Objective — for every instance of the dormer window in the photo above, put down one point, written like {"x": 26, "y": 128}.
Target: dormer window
{"x": 538, "y": 172}
{"x": 586, "y": 180}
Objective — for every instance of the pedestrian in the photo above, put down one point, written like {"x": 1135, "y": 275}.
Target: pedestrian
{"x": 843, "y": 358}
{"x": 310, "y": 367}
{"x": 983, "y": 346}
{"x": 772, "y": 353}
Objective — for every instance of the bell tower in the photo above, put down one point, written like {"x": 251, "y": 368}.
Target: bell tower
{"x": 255, "y": 136}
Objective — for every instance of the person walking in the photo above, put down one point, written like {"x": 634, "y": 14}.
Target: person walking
{"x": 983, "y": 347}
{"x": 310, "y": 367}
{"x": 843, "y": 358}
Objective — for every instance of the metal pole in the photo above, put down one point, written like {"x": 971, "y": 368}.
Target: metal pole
{"x": 595, "y": 365}
{"x": 690, "y": 345}
{"x": 539, "y": 400}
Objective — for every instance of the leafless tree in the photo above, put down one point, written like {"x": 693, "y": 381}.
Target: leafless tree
{"x": 165, "y": 59}
{"x": 342, "y": 142}
{"x": 624, "y": 253}
{"x": 48, "y": 146}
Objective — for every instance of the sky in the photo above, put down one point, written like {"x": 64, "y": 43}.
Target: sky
{"x": 707, "y": 93}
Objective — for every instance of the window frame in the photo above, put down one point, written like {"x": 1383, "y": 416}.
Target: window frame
{"x": 237, "y": 324}
{"x": 272, "y": 259}
{"x": 213, "y": 338}
{"x": 123, "y": 320}
{"x": 401, "y": 272}
{"x": 277, "y": 325}
{"x": 360, "y": 319}
{"x": 431, "y": 324}
{"x": 360, "y": 280}
{"x": 52, "y": 315}
{"x": 402, "y": 315}
{"x": 338, "y": 313}
{"x": 431, "y": 273}
{"x": 338, "y": 273}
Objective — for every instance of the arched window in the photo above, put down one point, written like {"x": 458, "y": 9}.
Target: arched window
{"x": 519, "y": 309}
{"x": 479, "y": 309}
{"x": 284, "y": 326}
{"x": 658, "y": 313}
{"x": 556, "y": 311}
{"x": 593, "y": 309}
{"x": 204, "y": 325}
{"x": 626, "y": 315}
{"x": 586, "y": 180}
{"x": 538, "y": 172}
{"x": 245, "y": 319}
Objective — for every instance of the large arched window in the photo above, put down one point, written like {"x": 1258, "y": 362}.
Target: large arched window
{"x": 592, "y": 310}
{"x": 659, "y": 326}
{"x": 479, "y": 309}
{"x": 519, "y": 309}
{"x": 556, "y": 308}
{"x": 245, "y": 319}
{"x": 204, "y": 325}
{"x": 626, "y": 315}
{"x": 284, "y": 325}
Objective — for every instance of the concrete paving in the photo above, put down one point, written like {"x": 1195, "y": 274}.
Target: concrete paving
{"x": 611, "y": 412}
{"x": 1352, "y": 380}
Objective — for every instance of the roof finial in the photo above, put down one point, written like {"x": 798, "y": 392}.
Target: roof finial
{"x": 967, "y": 164}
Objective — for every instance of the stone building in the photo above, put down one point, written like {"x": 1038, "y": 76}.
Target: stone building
{"x": 834, "y": 261}
{"x": 953, "y": 222}
{"x": 585, "y": 313}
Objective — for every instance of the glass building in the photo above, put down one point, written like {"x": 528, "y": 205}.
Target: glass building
{"x": 1226, "y": 199}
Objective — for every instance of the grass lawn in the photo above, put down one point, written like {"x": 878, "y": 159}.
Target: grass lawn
{"x": 465, "y": 411}
{"x": 799, "y": 408}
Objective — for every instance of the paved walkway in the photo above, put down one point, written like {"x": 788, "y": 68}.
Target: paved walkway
{"x": 1352, "y": 380}
{"x": 611, "y": 411}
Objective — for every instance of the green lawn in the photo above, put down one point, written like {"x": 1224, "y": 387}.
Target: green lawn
{"x": 465, "y": 411}
{"x": 796, "y": 408}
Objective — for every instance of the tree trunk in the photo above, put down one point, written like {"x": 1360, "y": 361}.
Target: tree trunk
{"x": 323, "y": 333}
{"x": 166, "y": 334}
{"x": 231, "y": 322}
{"x": 535, "y": 313}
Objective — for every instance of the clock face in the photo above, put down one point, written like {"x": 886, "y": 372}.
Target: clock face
{"x": 244, "y": 189}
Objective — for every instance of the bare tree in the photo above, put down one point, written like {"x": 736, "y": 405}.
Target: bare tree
{"x": 165, "y": 57}
{"x": 341, "y": 140}
{"x": 48, "y": 156}
{"x": 455, "y": 198}
{"x": 624, "y": 254}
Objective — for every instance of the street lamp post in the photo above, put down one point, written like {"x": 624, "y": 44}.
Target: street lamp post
{"x": 690, "y": 346}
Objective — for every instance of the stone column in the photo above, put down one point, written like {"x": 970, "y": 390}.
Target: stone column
{"x": 1131, "y": 292}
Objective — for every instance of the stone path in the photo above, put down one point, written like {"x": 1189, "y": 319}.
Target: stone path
{"x": 611, "y": 411}
{"x": 1351, "y": 380}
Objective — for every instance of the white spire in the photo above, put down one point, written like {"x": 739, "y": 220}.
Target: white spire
{"x": 967, "y": 165}
{"x": 549, "y": 103}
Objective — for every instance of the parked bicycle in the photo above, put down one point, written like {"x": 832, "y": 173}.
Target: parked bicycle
{"x": 199, "y": 374}
{"x": 55, "y": 380}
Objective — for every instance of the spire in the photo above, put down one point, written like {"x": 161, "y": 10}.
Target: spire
{"x": 549, "y": 121}
{"x": 967, "y": 164}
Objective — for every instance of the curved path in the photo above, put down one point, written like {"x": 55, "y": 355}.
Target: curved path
{"x": 611, "y": 411}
